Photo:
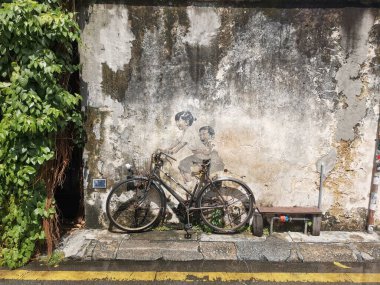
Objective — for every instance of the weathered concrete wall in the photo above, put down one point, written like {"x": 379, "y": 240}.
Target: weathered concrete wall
{"x": 282, "y": 88}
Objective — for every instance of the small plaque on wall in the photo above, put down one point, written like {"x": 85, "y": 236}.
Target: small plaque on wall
{"x": 99, "y": 183}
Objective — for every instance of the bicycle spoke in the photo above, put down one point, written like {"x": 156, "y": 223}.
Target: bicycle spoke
{"x": 237, "y": 201}
{"x": 219, "y": 194}
{"x": 132, "y": 206}
{"x": 241, "y": 197}
{"x": 236, "y": 218}
{"x": 226, "y": 205}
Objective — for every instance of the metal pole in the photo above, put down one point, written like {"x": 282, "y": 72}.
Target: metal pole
{"x": 321, "y": 186}
{"x": 374, "y": 185}
{"x": 372, "y": 206}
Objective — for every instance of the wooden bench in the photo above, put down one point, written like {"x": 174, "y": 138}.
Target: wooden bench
{"x": 288, "y": 214}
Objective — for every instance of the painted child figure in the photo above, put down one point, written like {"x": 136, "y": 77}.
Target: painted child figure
{"x": 188, "y": 138}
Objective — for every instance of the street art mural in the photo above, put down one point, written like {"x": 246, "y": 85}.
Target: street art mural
{"x": 265, "y": 93}
{"x": 201, "y": 145}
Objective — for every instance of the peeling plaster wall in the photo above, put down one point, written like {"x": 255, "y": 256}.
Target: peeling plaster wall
{"x": 281, "y": 87}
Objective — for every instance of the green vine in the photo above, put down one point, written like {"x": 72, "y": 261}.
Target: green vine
{"x": 35, "y": 65}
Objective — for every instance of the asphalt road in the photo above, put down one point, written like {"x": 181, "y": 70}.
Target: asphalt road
{"x": 201, "y": 272}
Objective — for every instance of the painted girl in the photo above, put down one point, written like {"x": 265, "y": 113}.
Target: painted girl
{"x": 188, "y": 138}
{"x": 183, "y": 121}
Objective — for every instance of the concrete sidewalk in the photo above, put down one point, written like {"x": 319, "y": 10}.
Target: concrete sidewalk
{"x": 171, "y": 245}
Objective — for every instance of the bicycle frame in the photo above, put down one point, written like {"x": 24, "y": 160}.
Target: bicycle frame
{"x": 159, "y": 182}
{"x": 203, "y": 181}
{"x": 196, "y": 199}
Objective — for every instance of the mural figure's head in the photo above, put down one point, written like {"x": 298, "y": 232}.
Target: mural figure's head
{"x": 206, "y": 134}
{"x": 184, "y": 119}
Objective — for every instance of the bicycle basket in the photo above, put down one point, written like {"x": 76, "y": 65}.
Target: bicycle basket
{"x": 141, "y": 166}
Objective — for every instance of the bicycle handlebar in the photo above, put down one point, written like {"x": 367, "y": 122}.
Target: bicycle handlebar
{"x": 159, "y": 152}
{"x": 168, "y": 155}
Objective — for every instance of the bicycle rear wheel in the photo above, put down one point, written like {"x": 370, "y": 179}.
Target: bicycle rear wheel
{"x": 226, "y": 205}
{"x": 135, "y": 205}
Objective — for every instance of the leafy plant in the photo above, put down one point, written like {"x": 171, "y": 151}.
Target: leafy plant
{"x": 162, "y": 228}
{"x": 54, "y": 260}
{"x": 35, "y": 64}
{"x": 217, "y": 218}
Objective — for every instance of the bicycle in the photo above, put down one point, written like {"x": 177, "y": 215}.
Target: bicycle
{"x": 139, "y": 202}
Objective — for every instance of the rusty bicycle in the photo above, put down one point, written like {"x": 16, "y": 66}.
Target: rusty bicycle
{"x": 138, "y": 203}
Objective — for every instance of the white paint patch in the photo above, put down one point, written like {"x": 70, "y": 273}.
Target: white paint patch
{"x": 336, "y": 35}
{"x": 96, "y": 130}
{"x": 117, "y": 38}
{"x": 107, "y": 38}
{"x": 100, "y": 166}
{"x": 204, "y": 25}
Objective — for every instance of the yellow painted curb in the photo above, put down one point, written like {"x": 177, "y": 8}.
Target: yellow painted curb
{"x": 188, "y": 276}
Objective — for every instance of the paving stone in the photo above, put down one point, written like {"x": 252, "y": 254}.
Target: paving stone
{"x": 273, "y": 249}
{"x": 218, "y": 251}
{"x": 107, "y": 235}
{"x": 163, "y": 236}
{"x": 230, "y": 238}
{"x": 75, "y": 251}
{"x": 247, "y": 250}
{"x": 90, "y": 250}
{"x": 74, "y": 245}
{"x": 181, "y": 251}
{"x": 326, "y": 252}
{"x": 369, "y": 250}
{"x": 153, "y": 250}
{"x": 366, "y": 257}
{"x": 106, "y": 249}
{"x": 294, "y": 256}
{"x": 276, "y": 250}
{"x": 335, "y": 237}
{"x": 137, "y": 250}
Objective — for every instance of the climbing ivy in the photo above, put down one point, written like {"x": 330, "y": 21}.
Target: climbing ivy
{"x": 36, "y": 50}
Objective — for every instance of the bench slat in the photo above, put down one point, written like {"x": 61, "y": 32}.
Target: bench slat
{"x": 290, "y": 210}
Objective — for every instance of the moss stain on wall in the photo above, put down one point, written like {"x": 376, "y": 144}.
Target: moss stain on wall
{"x": 95, "y": 140}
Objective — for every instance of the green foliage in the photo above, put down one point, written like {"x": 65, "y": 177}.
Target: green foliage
{"x": 217, "y": 218}
{"x": 162, "y": 228}
{"x": 35, "y": 58}
{"x": 54, "y": 260}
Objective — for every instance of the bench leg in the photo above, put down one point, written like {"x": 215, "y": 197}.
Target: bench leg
{"x": 305, "y": 227}
{"x": 271, "y": 225}
{"x": 257, "y": 225}
{"x": 316, "y": 229}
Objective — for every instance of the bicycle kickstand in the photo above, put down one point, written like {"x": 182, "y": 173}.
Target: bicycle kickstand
{"x": 188, "y": 226}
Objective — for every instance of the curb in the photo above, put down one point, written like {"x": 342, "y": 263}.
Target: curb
{"x": 99, "y": 245}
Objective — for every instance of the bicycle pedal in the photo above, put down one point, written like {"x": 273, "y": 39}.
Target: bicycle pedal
{"x": 187, "y": 236}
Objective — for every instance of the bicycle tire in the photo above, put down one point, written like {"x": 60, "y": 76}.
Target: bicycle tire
{"x": 132, "y": 207}
{"x": 226, "y": 205}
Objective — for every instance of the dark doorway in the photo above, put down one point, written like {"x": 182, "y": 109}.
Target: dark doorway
{"x": 69, "y": 197}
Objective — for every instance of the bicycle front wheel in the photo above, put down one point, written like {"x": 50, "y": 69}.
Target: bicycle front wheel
{"x": 135, "y": 205}
{"x": 226, "y": 205}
